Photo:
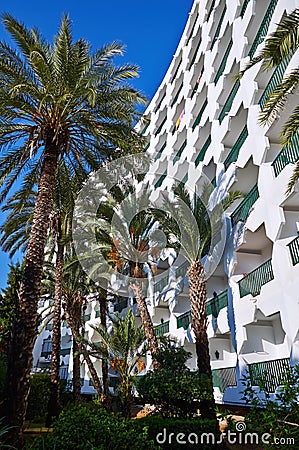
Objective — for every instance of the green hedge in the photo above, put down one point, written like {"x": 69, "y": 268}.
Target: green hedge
{"x": 90, "y": 427}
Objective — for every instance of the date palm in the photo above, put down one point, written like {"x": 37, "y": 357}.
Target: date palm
{"x": 279, "y": 47}
{"x": 75, "y": 288}
{"x": 129, "y": 242}
{"x": 122, "y": 347}
{"x": 15, "y": 235}
{"x": 191, "y": 227}
{"x": 58, "y": 101}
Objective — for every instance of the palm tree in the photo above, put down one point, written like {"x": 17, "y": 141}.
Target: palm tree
{"x": 122, "y": 347}
{"x": 131, "y": 248}
{"x": 279, "y": 47}
{"x": 193, "y": 230}
{"x": 75, "y": 289}
{"x": 20, "y": 207}
{"x": 56, "y": 102}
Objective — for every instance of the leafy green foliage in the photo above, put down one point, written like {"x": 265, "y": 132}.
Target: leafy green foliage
{"x": 38, "y": 397}
{"x": 123, "y": 348}
{"x": 91, "y": 427}
{"x": 66, "y": 93}
{"x": 280, "y": 416}
{"x": 175, "y": 390}
{"x": 280, "y": 46}
{"x": 9, "y": 304}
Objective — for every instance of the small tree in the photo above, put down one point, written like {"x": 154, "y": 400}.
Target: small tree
{"x": 175, "y": 390}
{"x": 280, "y": 416}
{"x": 122, "y": 347}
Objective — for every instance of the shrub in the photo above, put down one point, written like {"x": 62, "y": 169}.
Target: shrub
{"x": 173, "y": 394}
{"x": 174, "y": 389}
{"x": 38, "y": 397}
{"x": 91, "y": 427}
{"x": 277, "y": 416}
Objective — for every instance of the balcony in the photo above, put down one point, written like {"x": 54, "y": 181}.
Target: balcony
{"x": 160, "y": 103}
{"x": 177, "y": 95}
{"x": 145, "y": 128}
{"x": 184, "y": 320}
{"x": 65, "y": 351}
{"x": 194, "y": 55}
{"x": 198, "y": 118}
{"x": 162, "y": 329}
{"x": 263, "y": 30}
{"x": 160, "y": 126}
{"x": 161, "y": 284}
{"x": 217, "y": 303}
{"x": 160, "y": 151}
{"x": 234, "y": 153}
{"x": 228, "y": 104}
{"x": 216, "y": 35}
{"x": 176, "y": 71}
{"x": 288, "y": 155}
{"x": 86, "y": 317}
{"x": 253, "y": 282}
{"x": 210, "y": 10}
{"x": 214, "y": 305}
{"x": 202, "y": 153}
{"x": 160, "y": 180}
{"x": 49, "y": 326}
{"x": 223, "y": 62}
{"x": 182, "y": 270}
{"x": 244, "y": 7}
{"x": 179, "y": 153}
{"x": 120, "y": 305}
{"x": 241, "y": 213}
{"x": 222, "y": 378}
{"x": 294, "y": 250}
{"x": 273, "y": 373}
{"x": 275, "y": 80}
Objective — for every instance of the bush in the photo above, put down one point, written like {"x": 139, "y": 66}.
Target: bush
{"x": 91, "y": 427}
{"x": 280, "y": 416}
{"x": 174, "y": 389}
{"x": 38, "y": 397}
{"x": 3, "y": 366}
{"x": 169, "y": 430}
{"x": 173, "y": 394}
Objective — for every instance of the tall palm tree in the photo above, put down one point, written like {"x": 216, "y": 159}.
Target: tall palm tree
{"x": 191, "y": 227}
{"x": 123, "y": 348}
{"x": 57, "y": 102}
{"x": 75, "y": 288}
{"x": 60, "y": 226}
{"x": 279, "y": 47}
{"x": 131, "y": 248}
{"x": 20, "y": 207}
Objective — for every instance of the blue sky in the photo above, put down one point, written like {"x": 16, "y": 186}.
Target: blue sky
{"x": 150, "y": 30}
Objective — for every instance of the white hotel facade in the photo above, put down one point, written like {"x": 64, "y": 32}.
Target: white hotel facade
{"x": 203, "y": 123}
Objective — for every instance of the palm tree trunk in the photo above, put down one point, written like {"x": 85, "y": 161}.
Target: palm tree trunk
{"x": 102, "y": 302}
{"x": 74, "y": 323}
{"x": 25, "y": 327}
{"x": 54, "y": 400}
{"x": 92, "y": 370}
{"x": 147, "y": 323}
{"x": 198, "y": 299}
{"x": 76, "y": 373}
